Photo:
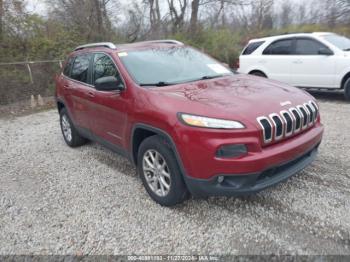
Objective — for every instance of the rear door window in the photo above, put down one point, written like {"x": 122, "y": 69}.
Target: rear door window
{"x": 280, "y": 47}
{"x": 80, "y": 70}
{"x": 252, "y": 47}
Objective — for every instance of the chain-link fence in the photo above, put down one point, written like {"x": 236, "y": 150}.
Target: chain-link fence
{"x": 18, "y": 81}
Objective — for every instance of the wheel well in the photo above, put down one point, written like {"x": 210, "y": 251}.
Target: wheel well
{"x": 139, "y": 135}
{"x": 346, "y": 77}
{"x": 60, "y": 106}
{"x": 257, "y": 71}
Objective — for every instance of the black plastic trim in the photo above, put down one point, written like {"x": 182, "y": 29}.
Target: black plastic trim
{"x": 162, "y": 133}
{"x": 246, "y": 184}
{"x": 114, "y": 148}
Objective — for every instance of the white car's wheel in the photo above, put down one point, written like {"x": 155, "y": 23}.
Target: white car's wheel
{"x": 347, "y": 90}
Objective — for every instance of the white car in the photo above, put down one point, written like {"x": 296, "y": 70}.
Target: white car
{"x": 309, "y": 60}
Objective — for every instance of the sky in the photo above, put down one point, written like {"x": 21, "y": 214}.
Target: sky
{"x": 36, "y": 6}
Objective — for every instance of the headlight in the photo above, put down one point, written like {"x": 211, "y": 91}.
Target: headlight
{"x": 201, "y": 121}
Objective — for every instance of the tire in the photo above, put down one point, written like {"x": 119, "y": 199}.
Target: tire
{"x": 153, "y": 177}
{"x": 69, "y": 132}
{"x": 258, "y": 73}
{"x": 347, "y": 89}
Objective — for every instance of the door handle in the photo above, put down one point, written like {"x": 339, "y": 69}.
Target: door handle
{"x": 297, "y": 62}
{"x": 66, "y": 86}
{"x": 91, "y": 94}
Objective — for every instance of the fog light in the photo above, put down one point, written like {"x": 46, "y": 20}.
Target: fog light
{"x": 228, "y": 151}
{"x": 220, "y": 179}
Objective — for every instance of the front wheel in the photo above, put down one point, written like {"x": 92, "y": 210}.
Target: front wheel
{"x": 347, "y": 90}
{"x": 160, "y": 172}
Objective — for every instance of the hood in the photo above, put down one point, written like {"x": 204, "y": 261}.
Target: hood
{"x": 235, "y": 95}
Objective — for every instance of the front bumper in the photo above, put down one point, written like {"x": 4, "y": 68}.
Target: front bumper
{"x": 236, "y": 184}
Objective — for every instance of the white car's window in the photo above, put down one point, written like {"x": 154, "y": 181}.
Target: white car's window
{"x": 339, "y": 41}
{"x": 308, "y": 47}
{"x": 252, "y": 47}
{"x": 280, "y": 47}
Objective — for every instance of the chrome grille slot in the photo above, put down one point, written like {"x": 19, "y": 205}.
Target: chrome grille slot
{"x": 279, "y": 126}
{"x": 288, "y": 121}
{"x": 305, "y": 117}
{"x": 312, "y": 113}
{"x": 309, "y": 114}
{"x": 266, "y": 127}
{"x": 314, "y": 106}
{"x": 298, "y": 119}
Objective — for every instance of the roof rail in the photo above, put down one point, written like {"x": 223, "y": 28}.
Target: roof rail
{"x": 92, "y": 45}
{"x": 165, "y": 41}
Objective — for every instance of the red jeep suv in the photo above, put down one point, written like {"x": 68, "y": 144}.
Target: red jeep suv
{"x": 189, "y": 124}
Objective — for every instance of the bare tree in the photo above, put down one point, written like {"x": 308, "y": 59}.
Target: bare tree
{"x": 1, "y": 19}
{"x": 286, "y": 14}
{"x": 177, "y": 12}
{"x": 134, "y": 23}
{"x": 90, "y": 17}
{"x": 339, "y": 12}
{"x": 155, "y": 18}
{"x": 215, "y": 12}
{"x": 194, "y": 15}
{"x": 262, "y": 14}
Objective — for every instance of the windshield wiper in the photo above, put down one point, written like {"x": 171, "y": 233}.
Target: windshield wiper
{"x": 161, "y": 83}
{"x": 210, "y": 77}
{"x": 204, "y": 78}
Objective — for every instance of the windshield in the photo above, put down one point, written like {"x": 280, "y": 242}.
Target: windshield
{"x": 166, "y": 66}
{"x": 339, "y": 41}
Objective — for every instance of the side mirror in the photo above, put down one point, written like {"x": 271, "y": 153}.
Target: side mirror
{"x": 108, "y": 83}
{"x": 325, "y": 51}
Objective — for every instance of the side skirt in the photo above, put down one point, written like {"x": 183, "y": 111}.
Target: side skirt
{"x": 114, "y": 148}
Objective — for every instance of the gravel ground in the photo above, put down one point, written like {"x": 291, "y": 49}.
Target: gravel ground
{"x": 58, "y": 200}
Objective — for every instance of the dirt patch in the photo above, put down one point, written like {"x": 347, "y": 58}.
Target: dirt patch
{"x": 24, "y": 107}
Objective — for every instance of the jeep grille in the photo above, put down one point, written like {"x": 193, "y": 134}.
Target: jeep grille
{"x": 286, "y": 123}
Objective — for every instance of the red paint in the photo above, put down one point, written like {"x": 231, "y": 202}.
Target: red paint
{"x": 240, "y": 97}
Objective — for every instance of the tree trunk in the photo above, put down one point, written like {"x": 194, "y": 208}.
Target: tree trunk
{"x": 194, "y": 16}
{"x": 99, "y": 19}
{"x": 1, "y": 18}
{"x": 177, "y": 17}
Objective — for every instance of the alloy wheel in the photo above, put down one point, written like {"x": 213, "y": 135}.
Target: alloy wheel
{"x": 66, "y": 128}
{"x": 156, "y": 172}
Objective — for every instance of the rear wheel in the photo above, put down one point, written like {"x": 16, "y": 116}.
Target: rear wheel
{"x": 160, "y": 172}
{"x": 70, "y": 134}
{"x": 258, "y": 73}
{"x": 347, "y": 89}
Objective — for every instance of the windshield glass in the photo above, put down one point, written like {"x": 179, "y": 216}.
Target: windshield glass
{"x": 166, "y": 66}
{"x": 339, "y": 41}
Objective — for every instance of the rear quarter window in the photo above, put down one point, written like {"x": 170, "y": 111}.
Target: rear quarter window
{"x": 252, "y": 47}
{"x": 80, "y": 69}
{"x": 68, "y": 67}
